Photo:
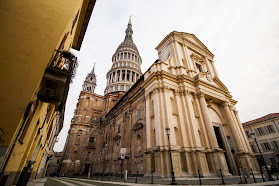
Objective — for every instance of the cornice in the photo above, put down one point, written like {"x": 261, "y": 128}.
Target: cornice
{"x": 121, "y": 68}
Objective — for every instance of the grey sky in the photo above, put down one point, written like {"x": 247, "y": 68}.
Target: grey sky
{"x": 243, "y": 36}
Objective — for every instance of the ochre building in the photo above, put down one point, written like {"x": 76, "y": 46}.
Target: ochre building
{"x": 265, "y": 139}
{"x": 36, "y": 73}
{"x": 180, "y": 91}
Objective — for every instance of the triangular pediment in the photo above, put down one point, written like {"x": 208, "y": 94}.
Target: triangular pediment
{"x": 219, "y": 83}
{"x": 193, "y": 39}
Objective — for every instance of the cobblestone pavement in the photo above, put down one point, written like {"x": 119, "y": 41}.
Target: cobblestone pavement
{"x": 146, "y": 181}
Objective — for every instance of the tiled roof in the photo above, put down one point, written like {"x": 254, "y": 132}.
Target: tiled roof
{"x": 264, "y": 118}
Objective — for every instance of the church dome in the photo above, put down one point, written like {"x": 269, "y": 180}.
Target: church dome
{"x": 125, "y": 70}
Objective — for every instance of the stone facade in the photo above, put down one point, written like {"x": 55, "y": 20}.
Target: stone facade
{"x": 266, "y": 130}
{"x": 53, "y": 165}
{"x": 181, "y": 91}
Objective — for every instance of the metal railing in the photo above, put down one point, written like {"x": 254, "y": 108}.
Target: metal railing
{"x": 64, "y": 61}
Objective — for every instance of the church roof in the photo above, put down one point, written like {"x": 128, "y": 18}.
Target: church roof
{"x": 128, "y": 41}
{"x": 261, "y": 119}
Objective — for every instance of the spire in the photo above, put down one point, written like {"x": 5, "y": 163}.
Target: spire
{"x": 89, "y": 83}
{"x": 93, "y": 70}
{"x": 129, "y": 31}
{"x": 130, "y": 23}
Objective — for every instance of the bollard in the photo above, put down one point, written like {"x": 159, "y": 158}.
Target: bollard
{"x": 223, "y": 182}
{"x": 199, "y": 177}
{"x": 151, "y": 177}
{"x": 125, "y": 175}
{"x": 253, "y": 176}
{"x": 239, "y": 176}
{"x": 103, "y": 175}
{"x": 262, "y": 174}
{"x": 137, "y": 177}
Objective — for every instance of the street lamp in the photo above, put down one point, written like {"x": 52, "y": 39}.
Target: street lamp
{"x": 173, "y": 182}
{"x": 268, "y": 171}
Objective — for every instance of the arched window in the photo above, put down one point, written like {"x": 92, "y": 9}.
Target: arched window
{"x": 139, "y": 114}
{"x": 91, "y": 139}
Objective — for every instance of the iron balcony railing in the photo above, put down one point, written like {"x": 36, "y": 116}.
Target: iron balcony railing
{"x": 64, "y": 61}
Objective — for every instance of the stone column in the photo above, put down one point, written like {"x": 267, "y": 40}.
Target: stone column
{"x": 233, "y": 128}
{"x": 135, "y": 77}
{"x": 208, "y": 124}
{"x": 130, "y": 78}
{"x": 121, "y": 75}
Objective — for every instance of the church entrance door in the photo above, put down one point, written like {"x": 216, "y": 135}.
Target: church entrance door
{"x": 222, "y": 146}
{"x": 86, "y": 168}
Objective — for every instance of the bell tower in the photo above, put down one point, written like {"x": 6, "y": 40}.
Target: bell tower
{"x": 89, "y": 83}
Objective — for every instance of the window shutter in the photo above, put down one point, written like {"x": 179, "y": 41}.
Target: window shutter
{"x": 270, "y": 146}
{"x": 266, "y": 130}
{"x": 257, "y": 132}
{"x": 275, "y": 145}
{"x": 272, "y": 128}
{"x": 263, "y": 147}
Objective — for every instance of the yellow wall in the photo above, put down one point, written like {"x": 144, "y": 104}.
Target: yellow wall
{"x": 30, "y": 32}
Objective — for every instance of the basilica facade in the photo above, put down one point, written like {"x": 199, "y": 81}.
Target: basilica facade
{"x": 125, "y": 129}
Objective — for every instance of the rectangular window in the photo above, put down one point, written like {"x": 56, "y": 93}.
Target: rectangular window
{"x": 92, "y": 139}
{"x": 116, "y": 87}
{"x": 74, "y": 22}
{"x": 266, "y": 146}
{"x": 119, "y": 128}
{"x": 253, "y": 148}
{"x": 121, "y": 87}
{"x": 270, "y": 129}
{"x": 260, "y": 131}
{"x": 199, "y": 69}
{"x": 127, "y": 87}
{"x": 139, "y": 115}
{"x": 111, "y": 89}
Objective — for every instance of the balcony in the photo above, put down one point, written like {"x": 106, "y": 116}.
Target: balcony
{"x": 57, "y": 77}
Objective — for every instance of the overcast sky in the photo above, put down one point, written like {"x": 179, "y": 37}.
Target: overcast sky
{"x": 243, "y": 35}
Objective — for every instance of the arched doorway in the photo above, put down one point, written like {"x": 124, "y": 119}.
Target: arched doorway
{"x": 217, "y": 122}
